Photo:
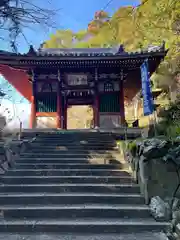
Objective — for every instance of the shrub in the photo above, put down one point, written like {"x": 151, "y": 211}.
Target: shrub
{"x": 173, "y": 130}
{"x": 132, "y": 148}
{"x": 170, "y": 125}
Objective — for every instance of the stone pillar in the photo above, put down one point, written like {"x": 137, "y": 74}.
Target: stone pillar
{"x": 122, "y": 109}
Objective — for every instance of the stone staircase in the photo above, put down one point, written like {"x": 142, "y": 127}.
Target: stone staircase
{"x": 71, "y": 186}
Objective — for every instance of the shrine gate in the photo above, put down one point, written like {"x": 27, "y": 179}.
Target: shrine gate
{"x": 55, "y": 79}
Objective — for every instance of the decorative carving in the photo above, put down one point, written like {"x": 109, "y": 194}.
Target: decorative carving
{"x": 31, "y": 51}
{"x": 47, "y": 76}
{"x": 108, "y": 87}
{"x": 96, "y": 74}
{"x": 91, "y": 84}
{"x": 54, "y": 86}
{"x": 113, "y": 76}
{"x": 46, "y": 87}
{"x": 121, "y": 49}
{"x": 77, "y": 79}
{"x": 103, "y": 75}
{"x": 59, "y": 76}
{"x": 104, "y": 86}
{"x": 109, "y": 76}
{"x": 78, "y": 94}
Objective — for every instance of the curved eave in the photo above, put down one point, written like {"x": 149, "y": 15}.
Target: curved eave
{"x": 59, "y": 58}
{"x": 130, "y": 62}
{"x": 18, "y": 79}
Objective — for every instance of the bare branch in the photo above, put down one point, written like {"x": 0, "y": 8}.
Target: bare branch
{"x": 17, "y": 14}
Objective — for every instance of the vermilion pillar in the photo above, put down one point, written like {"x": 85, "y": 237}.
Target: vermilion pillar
{"x": 96, "y": 101}
{"x": 65, "y": 117}
{"x": 33, "y": 113}
{"x": 58, "y": 118}
{"x": 122, "y": 110}
{"x": 96, "y": 111}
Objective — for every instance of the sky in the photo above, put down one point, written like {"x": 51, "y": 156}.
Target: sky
{"x": 70, "y": 14}
{"x": 75, "y": 14}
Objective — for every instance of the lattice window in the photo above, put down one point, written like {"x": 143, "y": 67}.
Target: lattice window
{"x": 46, "y": 87}
{"x": 108, "y": 87}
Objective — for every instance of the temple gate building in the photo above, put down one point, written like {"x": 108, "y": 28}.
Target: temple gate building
{"x": 55, "y": 79}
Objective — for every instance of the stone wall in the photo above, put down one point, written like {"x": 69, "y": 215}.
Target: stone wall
{"x": 10, "y": 151}
{"x": 155, "y": 165}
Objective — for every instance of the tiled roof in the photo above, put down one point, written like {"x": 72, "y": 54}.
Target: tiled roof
{"x": 92, "y": 52}
{"x": 86, "y": 52}
{"x": 78, "y": 51}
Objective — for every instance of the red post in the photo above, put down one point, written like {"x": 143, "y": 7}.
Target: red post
{"x": 58, "y": 118}
{"x": 96, "y": 111}
{"x": 32, "y": 123}
{"x": 65, "y": 117}
{"x": 122, "y": 110}
{"x": 96, "y": 101}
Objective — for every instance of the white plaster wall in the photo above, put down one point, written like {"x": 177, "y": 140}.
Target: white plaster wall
{"x": 110, "y": 121}
{"x": 46, "y": 122}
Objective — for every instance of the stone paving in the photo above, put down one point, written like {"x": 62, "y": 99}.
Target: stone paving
{"x": 143, "y": 236}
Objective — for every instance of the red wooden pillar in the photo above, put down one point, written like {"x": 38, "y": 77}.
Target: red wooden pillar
{"x": 96, "y": 111}
{"x": 96, "y": 101}
{"x": 122, "y": 110}
{"x": 65, "y": 117}
{"x": 58, "y": 118}
{"x": 32, "y": 123}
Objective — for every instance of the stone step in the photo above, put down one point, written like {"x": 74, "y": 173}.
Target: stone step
{"x": 75, "y": 211}
{"x": 69, "y": 142}
{"x": 70, "y": 198}
{"x": 71, "y": 151}
{"x": 74, "y": 144}
{"x": 91, "y": 226}
{"x": 73, "y": 133}
{"x": 74, "y": 141}
{"x": 65, "y": 155}
{"x": 70, "y": 187}
{"x": 98, "y": 159}
{"x": 66, "y": 172}
{"x": 67, "y": 236}
{"x": 64, "y": 179}
{"x": 67, "y": 166}
{"x": 76, "y": 136}
{"x": 73, "y": 147}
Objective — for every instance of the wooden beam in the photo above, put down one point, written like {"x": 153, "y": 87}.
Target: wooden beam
{"x": 46, "y": 114}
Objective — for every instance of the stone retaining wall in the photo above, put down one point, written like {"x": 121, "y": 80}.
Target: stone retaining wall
{"x": 155, "y": 165}
{"x": 10, "y": 151}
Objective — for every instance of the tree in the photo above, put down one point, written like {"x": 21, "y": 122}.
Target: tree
{"x": 161, "y": 23}
{"x": 152, "y": 22}
{"x": 15, "y": 15}
{"x": 61, "y": 39}
{"x": 100, "y": 18}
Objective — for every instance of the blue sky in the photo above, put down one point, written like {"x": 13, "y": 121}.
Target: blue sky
{"x": 71, "y": 14}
